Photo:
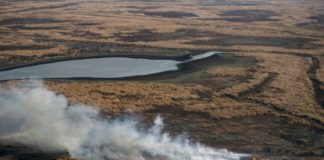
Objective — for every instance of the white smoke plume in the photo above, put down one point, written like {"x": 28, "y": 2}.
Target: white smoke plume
{"x": 33, "y": 115}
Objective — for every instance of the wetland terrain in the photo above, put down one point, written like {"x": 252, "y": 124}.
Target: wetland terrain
{"x": 263, "y": 96}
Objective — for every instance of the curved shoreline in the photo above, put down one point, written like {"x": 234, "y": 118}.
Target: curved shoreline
{"x": 184, "y": 67}
{"x": 62, "y": 59}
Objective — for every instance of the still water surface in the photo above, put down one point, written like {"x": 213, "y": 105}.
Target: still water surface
{"x": 112, "y": 67}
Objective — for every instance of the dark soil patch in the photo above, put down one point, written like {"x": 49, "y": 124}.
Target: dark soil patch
{"x": 317, "y": 85}
{"x": 49, "y": 7}
{"x": 20, "y": 152}
{"x": 142, "y": 7}
{"x": 95, "y": 48}
{"x": 166, "y": 14}
{"x": 291, "y": 43}
{"x": 90, "y": 48}
{"x": 147, "y": 35}
{"x": 23, "y": 27}
{"x": 150, "y": 1}
{"x": 11, "y": 21}
{"x": 311, "y": 25}
{"x": 31, "y": 47}
{"x": 248, "y": 15}
{"x": 84, "y": 34}
{"x": 317, "y": 23}
{"x": 228, "y": 3}
{"x": 318, "y": 19}
{"x": 86, "y": 23}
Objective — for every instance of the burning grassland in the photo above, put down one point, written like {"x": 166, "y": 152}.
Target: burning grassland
{"x": 34, "y": 116}
{"x": 269, "y": 105}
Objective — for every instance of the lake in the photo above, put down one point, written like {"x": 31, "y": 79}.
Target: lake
{"x": 110, "y": 67}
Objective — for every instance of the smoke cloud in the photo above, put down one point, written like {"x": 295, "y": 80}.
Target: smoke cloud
{"x": 33, "y": 115}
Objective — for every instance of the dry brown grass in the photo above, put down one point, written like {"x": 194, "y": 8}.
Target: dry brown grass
{"x": 278, "y": 85}
{"x": 119, "y": 97}
{"x": 100, "y": 21}
{"x": 291, "y": 90}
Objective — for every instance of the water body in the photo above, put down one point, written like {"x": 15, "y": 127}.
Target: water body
{"x": 112, "y": 67}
